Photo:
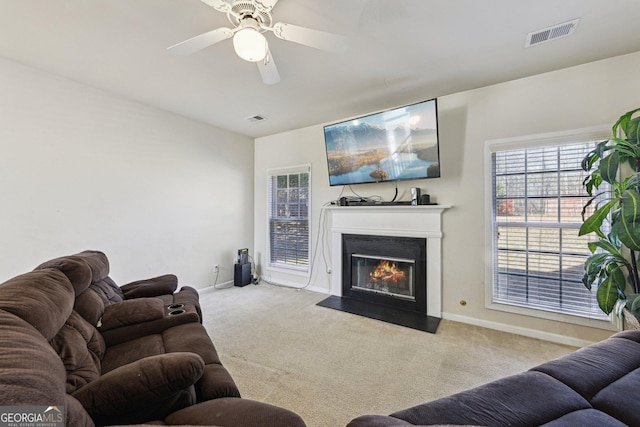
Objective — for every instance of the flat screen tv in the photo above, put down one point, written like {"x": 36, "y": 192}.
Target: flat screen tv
{"x": 392, "y": 145}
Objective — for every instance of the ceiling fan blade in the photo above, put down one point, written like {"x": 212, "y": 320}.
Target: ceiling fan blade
{"x": 266, "y": 4}
{"x": 314, "y": 38}
{"x": 268, "y": 70}
{"x": 197, "y": 43}
{"x": 219, "y": 5}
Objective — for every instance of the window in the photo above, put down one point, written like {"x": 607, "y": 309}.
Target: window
{"x": 289, "y": 203}
{"x": 537, "y": 198}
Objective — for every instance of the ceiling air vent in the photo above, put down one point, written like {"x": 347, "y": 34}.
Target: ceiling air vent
{"x": 256, "y": 118}
{"x": 551, "y": 33}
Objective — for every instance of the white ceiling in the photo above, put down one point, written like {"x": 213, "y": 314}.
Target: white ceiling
{"x": 400, "y": 51}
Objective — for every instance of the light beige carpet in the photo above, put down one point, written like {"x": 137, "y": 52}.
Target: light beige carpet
{"x": 329, "y": 366}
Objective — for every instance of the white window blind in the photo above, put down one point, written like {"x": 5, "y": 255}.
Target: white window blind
{"x": 538, "y": 257}
{"x": 288, "y": 210}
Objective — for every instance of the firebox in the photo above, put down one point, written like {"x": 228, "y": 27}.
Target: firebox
{"x": 385, "y": 270}
{"x": 387, "y": 276}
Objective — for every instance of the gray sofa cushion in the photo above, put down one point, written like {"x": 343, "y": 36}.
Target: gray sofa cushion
{"x": 528, "y": 398}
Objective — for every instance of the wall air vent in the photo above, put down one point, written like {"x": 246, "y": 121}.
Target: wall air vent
{"x": 256, "y": 118}
{"x": 551, "y": 33}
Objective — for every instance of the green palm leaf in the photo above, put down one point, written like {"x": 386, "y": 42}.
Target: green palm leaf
{"x": 627, "y": 228}
{"x": 609, "y": 167}
{"x": 594, "y": 222}
{"x": 608, "y": 293}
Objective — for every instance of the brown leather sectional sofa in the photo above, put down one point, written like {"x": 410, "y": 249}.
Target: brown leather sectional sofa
{"x": 70, "y": 337}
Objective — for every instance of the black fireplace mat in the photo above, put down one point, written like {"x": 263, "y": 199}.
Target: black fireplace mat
{"x": 384, "y": 313}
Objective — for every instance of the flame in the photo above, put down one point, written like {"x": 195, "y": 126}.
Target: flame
{"x": 387, "y": 271}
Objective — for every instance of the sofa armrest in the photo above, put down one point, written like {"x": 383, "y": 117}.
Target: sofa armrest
{"x": 377, "y": 421}
{"x": 147, "y": 389}
{"x": 131, "y": 319}
{"x": 126, "y": 313}
{"x": 235, "y": 412}
{"x": 161, "y": 285}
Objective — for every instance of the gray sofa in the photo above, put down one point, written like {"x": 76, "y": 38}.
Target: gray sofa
{"x": 596, "y": 386}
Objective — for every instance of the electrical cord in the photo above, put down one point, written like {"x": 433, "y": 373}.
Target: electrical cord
{"x": 395, "y": 196}
{"x": 215, "y": 282}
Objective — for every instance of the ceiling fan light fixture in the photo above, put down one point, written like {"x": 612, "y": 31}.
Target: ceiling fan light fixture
{"x": 249, "y": 43}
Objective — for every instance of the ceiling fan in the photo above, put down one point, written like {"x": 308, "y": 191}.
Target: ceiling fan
{"x": 250, "y": 19}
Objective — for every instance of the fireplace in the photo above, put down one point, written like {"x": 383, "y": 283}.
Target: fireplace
{"x": 390, "y": 277}
{"x": 416, "y": 303}
{"x": 387, "y": 270}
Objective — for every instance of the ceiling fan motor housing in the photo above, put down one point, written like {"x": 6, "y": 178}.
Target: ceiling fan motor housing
{"x": 242, "y": 9}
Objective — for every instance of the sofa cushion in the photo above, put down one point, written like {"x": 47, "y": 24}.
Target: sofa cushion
{"x": 529, "y": 398}
{"x": 190, "y": 337}
{"x": 592, "y": 368}
{"x": 43, "y": 298}
{"x": 98, "y": 262}
{"x": 75, "y": 414}
{"x": 80, "y": 348}
{"x": 90, "y": 306}
{"x": 130, "y": 351}
{"x": 108, "y": 290}
{"x": 620, "y": 399}
{"x": 149, "y": 388}
{"x": 30, "y": 370}
{"x": 76, "y": 269}
{"x": 585, "y": 418}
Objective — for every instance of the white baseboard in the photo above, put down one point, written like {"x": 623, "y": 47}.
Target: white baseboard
{"x": 211, "y": 288}
{"x": 532, "y": 333}
{"x": 291, "y": 285}
{"x": 318, "y": 289}
{"x": 294, "y": 285}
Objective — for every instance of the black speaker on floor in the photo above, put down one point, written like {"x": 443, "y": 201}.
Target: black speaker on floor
{"x": 241, "y": 274}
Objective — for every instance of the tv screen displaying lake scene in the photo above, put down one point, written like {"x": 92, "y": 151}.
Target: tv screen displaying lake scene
{"x": 392, "y": 145}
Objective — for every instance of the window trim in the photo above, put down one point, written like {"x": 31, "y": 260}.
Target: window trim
{"x": 522, "y": 142}
{"x": 304, "y": 271}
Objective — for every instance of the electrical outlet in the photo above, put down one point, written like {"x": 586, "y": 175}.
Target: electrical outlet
{"x": 216, "y": 268}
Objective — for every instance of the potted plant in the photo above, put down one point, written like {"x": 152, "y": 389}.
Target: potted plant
{"x": 613, "y": 265}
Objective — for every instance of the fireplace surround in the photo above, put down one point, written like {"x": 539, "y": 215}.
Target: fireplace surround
{"x": 422, "y": 223}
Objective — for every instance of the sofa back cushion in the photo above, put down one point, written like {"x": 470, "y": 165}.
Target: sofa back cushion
{"x": 43, "y": 298}
{"x": 32, "y": 374}
{"x": 97, "y": 261}
{"x": 88, "y": 272}
{"x": 107, "y": 290}
{"x": 80, "y": 348}
{"x": 102, "y": 291}
{"x": 75, "y": 268}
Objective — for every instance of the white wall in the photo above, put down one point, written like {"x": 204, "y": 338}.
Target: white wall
{"x": 588, "y": 95}
{"x": 81, "y": 169}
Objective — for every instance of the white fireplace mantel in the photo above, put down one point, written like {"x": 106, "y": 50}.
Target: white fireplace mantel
{"x": 402, "y": 221}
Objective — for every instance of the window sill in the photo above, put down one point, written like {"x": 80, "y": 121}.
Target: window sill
{"x": 604, "y": 324}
